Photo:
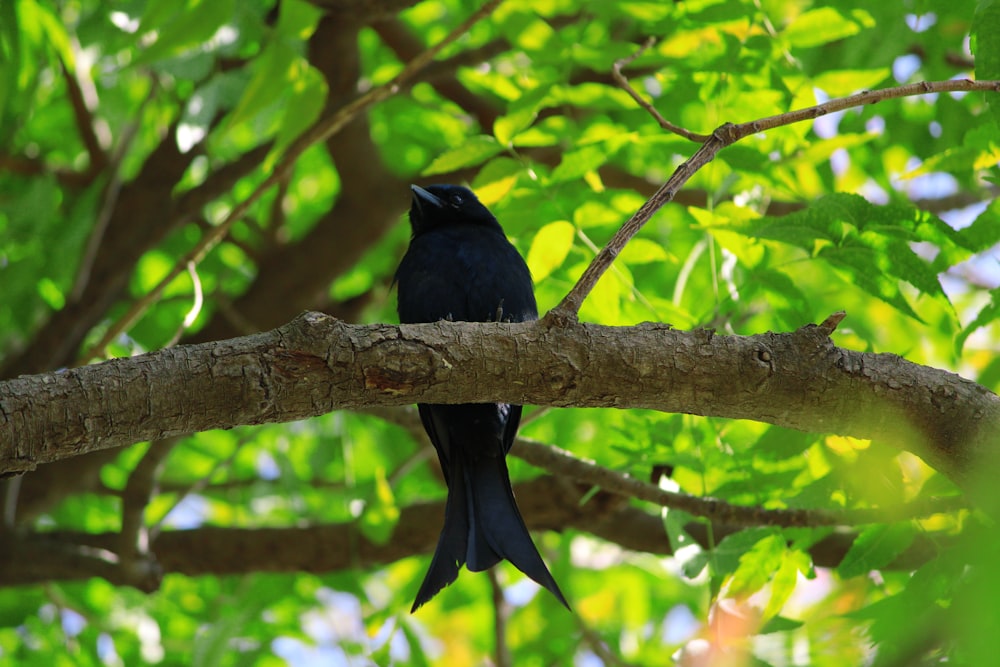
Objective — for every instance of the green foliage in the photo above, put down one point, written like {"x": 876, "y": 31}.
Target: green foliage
{"x": 887, "y": 212}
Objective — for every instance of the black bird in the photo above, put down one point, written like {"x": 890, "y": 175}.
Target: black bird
{"x": 461, "y": 267}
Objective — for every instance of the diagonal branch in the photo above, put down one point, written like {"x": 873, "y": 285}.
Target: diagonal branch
{"x": 84, "y": 122}
{"x": 564, "y": 464}
{"x": 616, "y": 72}
{"x": 561, "y": 462}
{"x": 318, "y": 133}
{"x": 724, "y": 136}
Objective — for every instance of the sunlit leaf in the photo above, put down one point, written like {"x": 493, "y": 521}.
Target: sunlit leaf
{"x": 475, "y": 151}
{"x": 643, "y": 251}
{"x": 496, "y": 178}
{"x": 824, "y": 25}
{"x": 549, "y": 248}
{"x": 382, "y": 513}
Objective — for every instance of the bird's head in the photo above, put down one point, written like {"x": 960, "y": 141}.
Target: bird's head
{"x": 445, "y": 205}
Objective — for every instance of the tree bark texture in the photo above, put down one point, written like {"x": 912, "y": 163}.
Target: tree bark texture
{"x": 316, "y": 364}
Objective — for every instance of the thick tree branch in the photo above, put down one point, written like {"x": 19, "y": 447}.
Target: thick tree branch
{"x": 317, "y": 364}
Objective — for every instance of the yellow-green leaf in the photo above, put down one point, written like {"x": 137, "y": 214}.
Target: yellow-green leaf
{"x": 825, "y": 25}
{"x": 550, "y": 247}
{"x": 474, "y": 151}
{"x": 643, "y": 251}
{"x": 382, "y": 513}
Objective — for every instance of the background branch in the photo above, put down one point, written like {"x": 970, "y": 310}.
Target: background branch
{"x": 546, "y": 503}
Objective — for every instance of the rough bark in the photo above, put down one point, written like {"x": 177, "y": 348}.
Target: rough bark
{"x": 316, "y": 364}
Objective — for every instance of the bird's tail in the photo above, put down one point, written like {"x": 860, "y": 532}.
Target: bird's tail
{"x": 482, "y": 526}
{"x": 452, "y": 545}
{"x": 496, "y": 529}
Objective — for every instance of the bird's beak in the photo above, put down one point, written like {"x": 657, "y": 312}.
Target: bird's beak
{"x": 422, "y": 197}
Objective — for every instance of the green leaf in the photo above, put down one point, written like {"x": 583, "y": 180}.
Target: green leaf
{"x": 496, "y": 178}
{"x": 987, "y": 315}
{"x": 784, "y": 295}
{"x": 984, "y": 232}
{"x": 780, "y": 624}
{"x": 550, "y": 248}
{"x": 215, "y": 641}
{"x": 475, "y": 150}
{"x": 870, "y": 243}
{"x": 876, "y": 546}
{"x": 306, "y": 99}
{"x": 837, "y": 83}
{"x": 297, "y": 19}
{"x": 726, "y": 556}
{"x": 693, "y": 566}
{"x": 646, "y": 11}
{"x": 980, "y": 150}
{"x": 824, "y": 25}
{"x": 985, "y": 45}
{"x": 381, "y": 514}
{"x": 674, "y": 522}
{"x": 507, "y": 127}
{"x": 611, "y": 292}
{"x": 596, "y": 214}
{"x": 40, "y": 19}
{"x": 592, "y": 96}
{"x": 758, "y": 565}
{"x": 190, "y": 25}
{"x": 576, "y": 163}
{"x": 579, "y": 162}
{"x": 778, "y": 443}
{"x": 785, "y": 579}
{"x": 272, "y": 73}
{"x": 643, "y": 251}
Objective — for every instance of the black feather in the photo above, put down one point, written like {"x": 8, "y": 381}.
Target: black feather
{"x": 461, "y": 267}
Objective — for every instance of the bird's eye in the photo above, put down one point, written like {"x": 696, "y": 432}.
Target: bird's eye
{"x": 456, "y": 200}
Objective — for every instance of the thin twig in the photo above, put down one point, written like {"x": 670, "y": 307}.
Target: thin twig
{"x": 560, "y": 462}
{"x": 621, "y": 80}
{"x": 109, "y": 198}
{"x": 199, "y": 486}
{"x": 84, "y": 121}
{"x": 501, "y": 653}
{"x": 726, "y": 135}
{"x": 197, "y": 301}
{"x": 563, "y": 464}
{"x": 11, "y": 489}
{"x": 536, "y": 414}
{"x": 422, "y": 454}
{"x": 318, "y": 133}
{"x": 599, "y": 646}
{"x": 139, "y": 490}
